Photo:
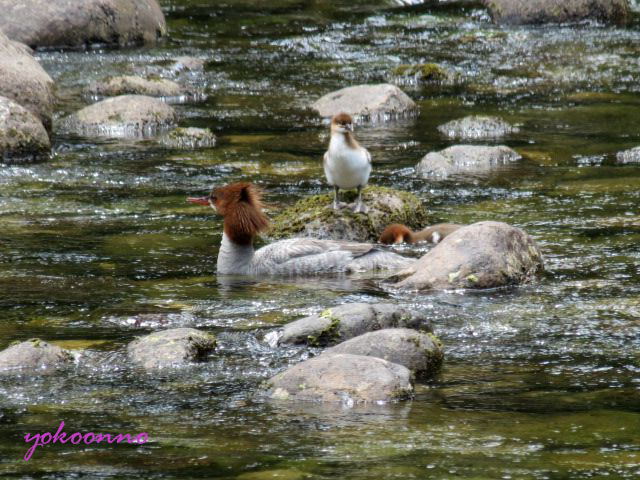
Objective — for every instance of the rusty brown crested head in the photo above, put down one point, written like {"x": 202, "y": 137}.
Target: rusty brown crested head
{"x": 240, "y": 204}
{"x": 396, "y": 233}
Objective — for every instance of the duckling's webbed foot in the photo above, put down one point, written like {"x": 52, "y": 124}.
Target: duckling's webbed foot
{"x": 360, "y": 207}
{"x": 337, "y": 205}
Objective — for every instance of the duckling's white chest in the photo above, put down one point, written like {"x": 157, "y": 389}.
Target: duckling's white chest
{"x": 346, "y": 167}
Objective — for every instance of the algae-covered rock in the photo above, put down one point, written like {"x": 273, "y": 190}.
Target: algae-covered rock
{"x": 343, "y": 322}
{"x": 171, "y": 348}
{"x": 23, "y": 138}
{"x": 420, "y": 352}
{"x": 130, "y": 84}
{"x": 371, "y": 102}
{"x": 477, "y": 127}
{"x": 465, "y": 160}
{"x": 23, "y": 80}
{"x": 629, "y": 156}
{"x": 423, "y": 73}
{"x": 482, "y": 255}
{"x": 33, "y": 357}
{"x": 557, "y": 11}
{"x": 342, "y": 378}
{"x": 314, "y": 216}
{"x": 63, "y": 23}
{"x": 189, "y": 138}
{"x": 125, "y": 116}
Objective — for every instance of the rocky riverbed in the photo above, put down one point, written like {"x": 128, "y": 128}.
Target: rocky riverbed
{"x": 99, "y": 250}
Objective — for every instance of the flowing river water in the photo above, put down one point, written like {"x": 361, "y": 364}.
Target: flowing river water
{"x": 98, "y": 246}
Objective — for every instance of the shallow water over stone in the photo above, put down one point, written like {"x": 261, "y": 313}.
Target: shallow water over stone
{"x": 98, "y": 246}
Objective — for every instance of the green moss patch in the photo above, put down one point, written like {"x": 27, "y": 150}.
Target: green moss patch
{"x": 314, "y": 216}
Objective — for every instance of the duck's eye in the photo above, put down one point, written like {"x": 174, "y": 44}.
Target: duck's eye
{"x": 213, "y": 198}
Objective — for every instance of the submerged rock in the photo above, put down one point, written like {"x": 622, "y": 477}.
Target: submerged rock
{"x": 342, "y": 378}
{"x": 129, "y": 84}
{"x": 482, "y": 255}
{"x": 125, "y": 116}
{"x": 23, "y": 138}
{"x": 341, "y": 323}
{"x": 33, "y": 356}
{"x": 464, "y": 159}
{"x": 23, "y": 80}
{"x": 423, "y": 73}
{"x": 180, "y": 64}
{"x": 629, "y": 156}
{"x": 61, "y": 23}
{"x": 476, "y": 127}
{"x": 420, "y": 352}
{"x": 171, "y": 348}
{"x": 372, "y": 102}
{"x": 314, "y": 216}
{"x": 189, "y": 138}
{"x": 554, "y": 11}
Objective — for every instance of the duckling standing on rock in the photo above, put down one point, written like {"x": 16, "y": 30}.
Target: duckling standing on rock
{"x": 398, "y": 233}
{"x": 347, "y": 165}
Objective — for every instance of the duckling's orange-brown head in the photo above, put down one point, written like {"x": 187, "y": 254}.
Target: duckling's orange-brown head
{"x": 396, "y": 233}
{"x": 240, "y": 204}
{"x": 342, "y": 123}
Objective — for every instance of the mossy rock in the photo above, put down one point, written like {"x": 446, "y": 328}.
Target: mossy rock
{"x": 424, "y": 72}
{"x": 314, "y": 216}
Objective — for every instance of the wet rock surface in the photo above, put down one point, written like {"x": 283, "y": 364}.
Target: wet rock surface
{"x": 23, "y": 138}
{"x": 629, "y": 156}
{"x": 553, "y": 11}
{"x": 23, "y": 80}
{"x": 372, "y": 102}
{"x": 477, "y": 127}
{"x": 188, "y": 138}
{"x": 314, "y": 216}
{"x": 33, "y": 356}
{"x": 481, "y": 255}
{"x": 464, "y": 160}
{"x": 177, "y": 347}
{"x": 130, "y": 84}
{"x": 420, "y": 352}
{"x": 337, "y": 324}
{"x": 125, "y": 116}
{"x": 342, "y": 378}
{"x": 60, "y": 23}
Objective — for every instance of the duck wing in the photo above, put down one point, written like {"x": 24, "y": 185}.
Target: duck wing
{"x": 308, "y": 255}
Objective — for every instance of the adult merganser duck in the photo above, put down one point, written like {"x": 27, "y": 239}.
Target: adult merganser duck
{"x": 398, "y": 233}
{"x": 346, "y": 164}
{"x": 241, "y": 207}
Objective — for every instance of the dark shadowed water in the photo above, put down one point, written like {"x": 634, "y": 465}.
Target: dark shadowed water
{"x": 539, "y": 382}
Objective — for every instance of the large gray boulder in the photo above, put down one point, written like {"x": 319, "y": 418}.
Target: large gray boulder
{"x": 177, "y": 347}
{"x": 23, "y": 138}
{"x": 420, "y": 352}
{"x": 557, "y": 11}
{"x": 631, "y": 156}
{"x": 337, "y": 324}
{"x": 477, "y": 127}
{"x": 130, "y": 84}
{"x": 63, "y": 23}
{"x": 33, "y": 357}
{"x": 342, "y": 378}
{"x": 314, "y": 216}
{"x": 371, "y": 102}
{"x": 465, "y": 160}
{"x": 482, "y": 255}
{"x": 23, "y": 80}
{"x": 125, "y": 116}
